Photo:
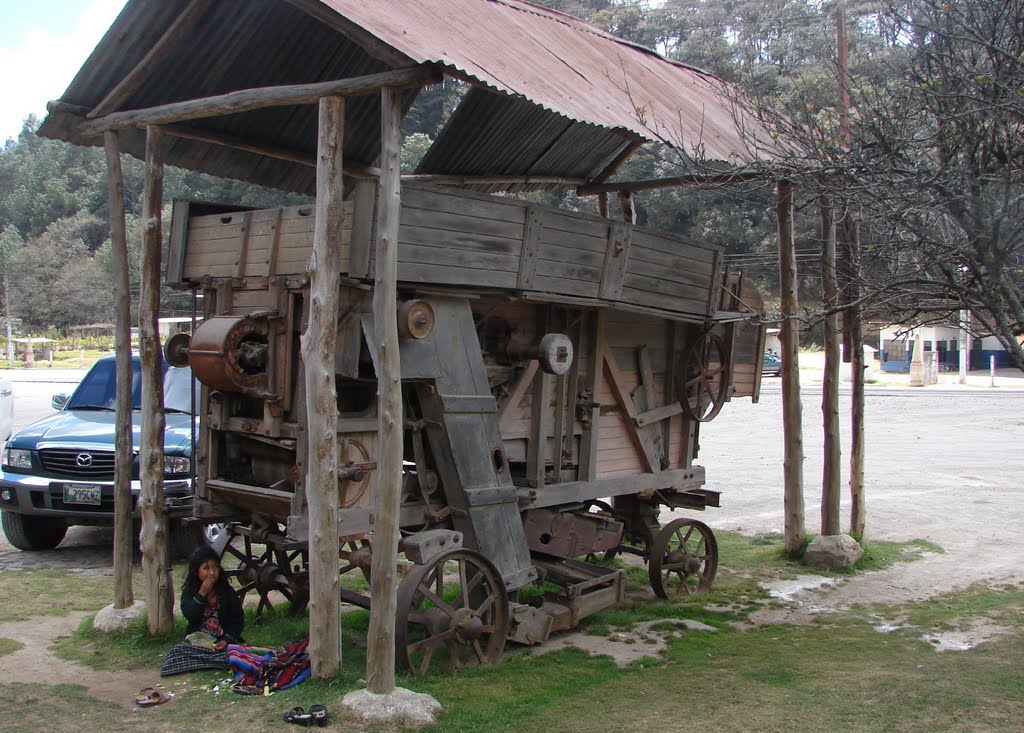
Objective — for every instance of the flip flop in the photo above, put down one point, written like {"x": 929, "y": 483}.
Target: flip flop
{"x": 149, "y": 696}
{"x": 319, "y": 715}
{"x": 298, "y": 716}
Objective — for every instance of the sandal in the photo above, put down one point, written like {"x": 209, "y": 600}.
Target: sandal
{"x": 149, "y": 696}
{"x": 298, "y": 716}
{"x": 319, "y": 715}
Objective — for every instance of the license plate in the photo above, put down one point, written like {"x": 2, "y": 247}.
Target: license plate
{"x": 91, "y": 494}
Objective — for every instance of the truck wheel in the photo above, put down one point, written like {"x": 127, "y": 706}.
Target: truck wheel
{"x": 33, "y": 533}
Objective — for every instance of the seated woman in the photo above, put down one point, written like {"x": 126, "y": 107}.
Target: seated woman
{"x": 214, "y": 614}
{"x": 209, "y": 604}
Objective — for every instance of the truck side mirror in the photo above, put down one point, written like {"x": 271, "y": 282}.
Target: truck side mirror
{"x": 58, "y": 401}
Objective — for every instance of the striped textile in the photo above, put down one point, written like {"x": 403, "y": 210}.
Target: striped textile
{"x": 188, "y": 658}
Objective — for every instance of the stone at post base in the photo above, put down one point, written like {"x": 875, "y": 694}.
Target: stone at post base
{"x": 117, "y": 619}
{"x": 401, "y": 704}
{"x": 833, "y": 552}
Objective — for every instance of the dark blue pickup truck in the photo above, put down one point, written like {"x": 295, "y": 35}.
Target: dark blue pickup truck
{"x": 59, "y": 471}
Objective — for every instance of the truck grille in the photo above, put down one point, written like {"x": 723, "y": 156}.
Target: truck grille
{"x": 86, "y": 464}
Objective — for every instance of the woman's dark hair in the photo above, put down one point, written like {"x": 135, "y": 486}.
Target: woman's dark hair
{"x": 201, "y": 555}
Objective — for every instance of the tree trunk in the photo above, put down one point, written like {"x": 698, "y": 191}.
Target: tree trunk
{"x": 156, "y": 567}
{"x": 830, "y": 384}
{"x": 318, "y": 346}
{"x": 789, "y": 337}
{"x": 858, "y": 510}
{"x": 380, "y": 657}
{"x": 123, "y": 449}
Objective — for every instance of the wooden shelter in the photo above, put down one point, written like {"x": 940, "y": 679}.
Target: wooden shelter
{"x": 308, "y": 96}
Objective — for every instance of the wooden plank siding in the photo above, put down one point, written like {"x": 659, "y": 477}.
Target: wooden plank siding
{"x": 455, "y": 238}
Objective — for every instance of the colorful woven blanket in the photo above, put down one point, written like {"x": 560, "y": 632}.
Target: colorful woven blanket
{"x": 262, "y": 668}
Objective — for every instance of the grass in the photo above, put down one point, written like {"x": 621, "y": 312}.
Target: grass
{"x": 29, "y": 593}
{"x": 840, "y": 674}
{"x": 8, "y": 646}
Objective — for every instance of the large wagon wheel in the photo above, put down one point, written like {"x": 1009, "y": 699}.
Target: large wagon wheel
{"x": 704, "y": 378}
{"x": 272, "y": 569}
{"x": 452, "y": 612}
{"x": 684, "y": 558}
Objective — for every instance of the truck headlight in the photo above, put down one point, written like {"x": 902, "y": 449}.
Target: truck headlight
{"x": 176, "y": 465}
{"x": 17, "y": 458}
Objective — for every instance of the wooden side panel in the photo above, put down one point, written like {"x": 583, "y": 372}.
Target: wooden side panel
{"x": 221, "y": 244}
{"x": 668, "y": 274}
{"x": 748, "y": 343}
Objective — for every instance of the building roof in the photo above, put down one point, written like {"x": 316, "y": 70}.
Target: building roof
{"x": 550, "y": 94}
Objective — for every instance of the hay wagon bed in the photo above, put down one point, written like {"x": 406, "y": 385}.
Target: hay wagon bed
{"x": 555, "y": 371}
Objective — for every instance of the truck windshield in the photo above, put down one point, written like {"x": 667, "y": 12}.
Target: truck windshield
{"x": 97, "y": 390}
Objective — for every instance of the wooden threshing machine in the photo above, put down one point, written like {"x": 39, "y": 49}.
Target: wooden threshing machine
{"x": 555, "y": 371}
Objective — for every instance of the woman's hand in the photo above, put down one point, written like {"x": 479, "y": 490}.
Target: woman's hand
{"x": 219, "y": 646}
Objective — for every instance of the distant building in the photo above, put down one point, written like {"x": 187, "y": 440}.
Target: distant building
{"x": 896, "y": 343}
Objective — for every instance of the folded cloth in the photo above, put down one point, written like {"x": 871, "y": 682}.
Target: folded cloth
{"x": 185, "y": 657}
{"x": 279, "y": 668}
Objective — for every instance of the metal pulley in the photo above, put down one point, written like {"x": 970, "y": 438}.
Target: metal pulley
{"x": 554, "y": 353}
{"x": 415, "y": 319}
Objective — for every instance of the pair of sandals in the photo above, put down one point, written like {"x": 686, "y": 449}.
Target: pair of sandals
{"x": 149, "y": 696}
{"x": 317, "y": 715}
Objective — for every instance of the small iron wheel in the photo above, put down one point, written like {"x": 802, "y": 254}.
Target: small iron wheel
{"x": 684, "y": 558}
{"x": 452, "y": 613}
{"x": 267, "y": 570}
{"x": 703, "y": 385}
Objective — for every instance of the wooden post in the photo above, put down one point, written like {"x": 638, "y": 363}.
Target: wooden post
{"x": 156, "y": 569}
{"x": 830, "y": 384}
{"x": 380, "y": 653}
{"x": 318, "y": 346}
{"x": 123, "y": 448}
{"x": 789, "y": 337}
{"x": 858, "y": 510}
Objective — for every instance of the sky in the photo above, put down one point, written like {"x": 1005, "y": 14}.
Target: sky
{"x": 43, "y": 44}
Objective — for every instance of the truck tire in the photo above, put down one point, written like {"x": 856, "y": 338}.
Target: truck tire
{"x": 33, "y": 533}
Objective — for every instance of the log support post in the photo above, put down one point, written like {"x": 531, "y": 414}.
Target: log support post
{"x": 858, "y": 511}
{"x": 789, "y": 337}
{"x": 156, "y": 568}
{"x": 380, "y": 656}
{"x": 123, "y": 449}
{"x": 830, "y": 384}
{"x": 318, "y": 346}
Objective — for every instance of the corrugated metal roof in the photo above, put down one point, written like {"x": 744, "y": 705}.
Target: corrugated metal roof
{"x": 563, "y": 64}
{"x": 557, "y": 97}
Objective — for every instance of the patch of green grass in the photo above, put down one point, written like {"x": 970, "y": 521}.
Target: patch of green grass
{"x": 30, "y": 593}
{"x": 879, "y": 554}
{"x": 9, "y": 645}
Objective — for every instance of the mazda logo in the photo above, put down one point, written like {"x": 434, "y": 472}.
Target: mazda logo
{"x": 84, "y": 459}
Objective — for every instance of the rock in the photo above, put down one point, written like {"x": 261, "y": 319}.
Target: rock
{"x": 401, "y": 704}
{"x": 833, "y": 552}
{"x": 117, "y": 619}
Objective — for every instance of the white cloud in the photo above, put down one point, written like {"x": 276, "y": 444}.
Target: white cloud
{"x": 41, "y": 66}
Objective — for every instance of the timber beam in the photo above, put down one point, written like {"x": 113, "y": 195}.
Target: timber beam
{"x": 246, "y": 100}
{"x": 694, "y": 179}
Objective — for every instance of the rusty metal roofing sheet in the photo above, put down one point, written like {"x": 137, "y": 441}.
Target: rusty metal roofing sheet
{"x": 552, "y": 96}
{"x": 566, "y": 66}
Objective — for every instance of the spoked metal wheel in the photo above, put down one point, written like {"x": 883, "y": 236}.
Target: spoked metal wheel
{"x": 452, "y": 613}
{"x": 355, "y": 555}
{"x": 264, "y": 566}
{"x": 703, "y": 384}
{"x": 684, "y": 558}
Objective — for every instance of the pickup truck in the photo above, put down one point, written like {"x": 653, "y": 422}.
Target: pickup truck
{"x": 59, "y": 471}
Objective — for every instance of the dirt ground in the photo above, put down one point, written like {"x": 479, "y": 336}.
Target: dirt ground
{"x": 943, "y": 464}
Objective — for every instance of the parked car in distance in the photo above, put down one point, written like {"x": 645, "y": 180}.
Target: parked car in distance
{"x": 771, "y": 365}
{"x": 59, "y": 471}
